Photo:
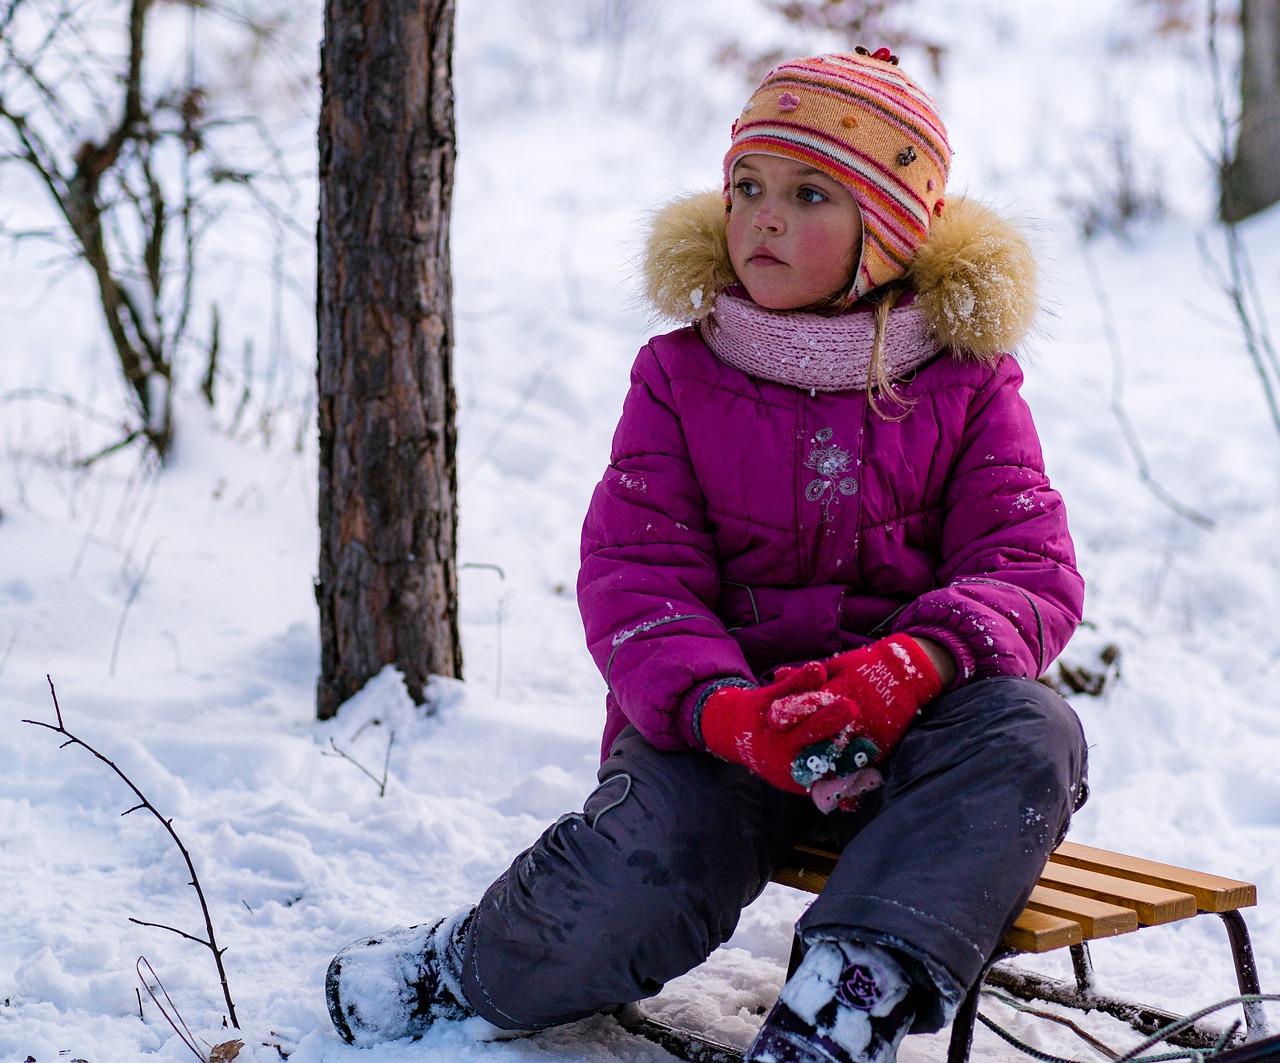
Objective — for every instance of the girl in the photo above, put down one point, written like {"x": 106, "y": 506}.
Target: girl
{"x": 819, "y": 577}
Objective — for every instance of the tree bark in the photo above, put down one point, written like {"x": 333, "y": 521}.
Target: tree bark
{"x": 1251, "y": 180}
{"x": 387, "y": 581}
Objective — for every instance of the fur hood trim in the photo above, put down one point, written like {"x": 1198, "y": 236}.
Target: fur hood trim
{"x": 974, "y": 276}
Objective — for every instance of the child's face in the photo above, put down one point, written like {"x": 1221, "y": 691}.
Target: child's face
{"x": 794, "y": 232}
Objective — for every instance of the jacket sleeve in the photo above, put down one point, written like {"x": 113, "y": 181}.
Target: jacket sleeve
{"x": 1008, "y": 595}
{"x": 649, "y": 578}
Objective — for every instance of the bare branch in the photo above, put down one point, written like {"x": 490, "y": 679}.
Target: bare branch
{"x": 4, "y": 659}
{"x": 70, "y": 402}
{"x": 144, "y": 802}
{"x": 6, "y": 19}
{"x": 1127, "y": 431}
{"x": 35, "y": 152}
{"x": 172, "y": 930}
{"x": 1238, "y": 283}
{"x": 386, "y": 764}
{"x": 123, "y": 443}
{"x": 134, "y": 591}
{"x": 137, "y": 196}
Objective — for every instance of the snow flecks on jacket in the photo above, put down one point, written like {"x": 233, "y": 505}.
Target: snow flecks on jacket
{"x": 648, "y": 625}
{"x": 743, "y": 572}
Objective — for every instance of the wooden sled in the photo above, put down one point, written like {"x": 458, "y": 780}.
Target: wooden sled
{"x": 1083, "y": 895}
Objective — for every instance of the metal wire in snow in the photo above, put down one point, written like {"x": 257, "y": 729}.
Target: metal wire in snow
{"x": 1135, "y": 1054}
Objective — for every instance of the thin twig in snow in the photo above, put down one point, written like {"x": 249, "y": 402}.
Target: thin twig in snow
{"x": 497, "y": 645}
{"x": 386, "y": 763}
{"x": 1127, "y": 431}
{"x": 209, "y": 941}
{"x": 508, "y": 419}
{"x": 13, "y": 641}
{"x": 175, "y": 1019}
{"x": 1238, "y": 284}
{"x": 134, "y": 591}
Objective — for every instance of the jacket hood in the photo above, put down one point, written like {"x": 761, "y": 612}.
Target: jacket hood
{"x": 974, "y": 276}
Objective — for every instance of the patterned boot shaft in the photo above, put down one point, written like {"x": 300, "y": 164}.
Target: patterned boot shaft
{"x": 846, "y": 1003}
{"x": 398, "y": 983}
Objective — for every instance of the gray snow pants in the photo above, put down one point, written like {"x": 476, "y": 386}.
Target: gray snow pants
{"x": 640, "y": 887}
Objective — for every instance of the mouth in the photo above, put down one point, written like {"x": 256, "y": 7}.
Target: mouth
{"x": 763, "y": 257}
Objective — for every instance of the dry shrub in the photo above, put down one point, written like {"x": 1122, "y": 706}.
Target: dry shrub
{"x": 873, "y": 23}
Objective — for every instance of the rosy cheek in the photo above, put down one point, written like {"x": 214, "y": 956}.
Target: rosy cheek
{"x": 736, "y": 227}
{"x": 826, "y": 253}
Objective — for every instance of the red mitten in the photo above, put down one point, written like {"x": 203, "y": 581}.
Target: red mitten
{"x": 765, "y": 728}
{"x": 889, "y": 682}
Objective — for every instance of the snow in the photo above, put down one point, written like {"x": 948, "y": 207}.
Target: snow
{"x": 174, "y": 613}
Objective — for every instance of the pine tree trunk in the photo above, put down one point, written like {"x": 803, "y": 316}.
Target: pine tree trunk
{"x": 387, "y": 583}
{"x": 1251, "y": 180}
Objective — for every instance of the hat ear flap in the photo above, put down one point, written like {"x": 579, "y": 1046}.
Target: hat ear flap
{"x": 860, "y": 284}
{"x": 975, "y": 278}
{"x": 686, "y": 261}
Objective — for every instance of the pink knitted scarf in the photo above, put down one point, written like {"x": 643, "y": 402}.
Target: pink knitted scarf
{"x": 813, "y": 351}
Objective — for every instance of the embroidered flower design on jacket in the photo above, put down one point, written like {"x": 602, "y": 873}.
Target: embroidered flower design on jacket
{"x": 832, "y": 464}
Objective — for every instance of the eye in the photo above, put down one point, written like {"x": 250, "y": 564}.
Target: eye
{"x": 746, "y": 187}
{"x": 812, "y": 195}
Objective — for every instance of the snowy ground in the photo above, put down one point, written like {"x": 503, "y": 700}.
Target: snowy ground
{"x": 176, "y": 619}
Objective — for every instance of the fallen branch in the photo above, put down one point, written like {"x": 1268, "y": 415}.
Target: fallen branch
{"x": 209, "y": 941}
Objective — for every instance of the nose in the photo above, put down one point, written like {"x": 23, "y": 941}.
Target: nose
{"x": 766, "y": 219}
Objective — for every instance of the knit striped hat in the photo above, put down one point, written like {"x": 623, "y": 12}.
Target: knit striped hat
{"x": 861, "y": 120}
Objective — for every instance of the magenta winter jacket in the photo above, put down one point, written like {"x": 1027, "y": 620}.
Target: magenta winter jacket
{"x": 744, "y": 524}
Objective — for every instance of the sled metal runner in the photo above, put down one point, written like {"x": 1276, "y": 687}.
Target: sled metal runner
{"x": 1084, "y": 996}
{"x": 684, "y": 1044}
{"x": 1084, "y": 894}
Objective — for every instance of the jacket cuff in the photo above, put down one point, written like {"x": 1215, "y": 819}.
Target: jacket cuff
{"x": 701, "y": 702}
{"x": 966, "y": 663}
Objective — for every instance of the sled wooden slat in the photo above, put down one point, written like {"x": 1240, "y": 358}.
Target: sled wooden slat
{"x": 1036, "y": 931}
{"x": 1097, "y": 919}
{"x": 1212, "y": 893}
{"x": 1153, "y": 904}
{"x": 801, "y": 878}
{"x": 1083, "y": 894}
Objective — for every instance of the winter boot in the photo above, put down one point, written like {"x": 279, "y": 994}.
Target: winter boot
{"x": 846, "y": 1003}
{"x": 398, "y": 983}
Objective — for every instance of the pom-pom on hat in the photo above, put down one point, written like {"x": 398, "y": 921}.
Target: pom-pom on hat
{"x": 863, "y": 122}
